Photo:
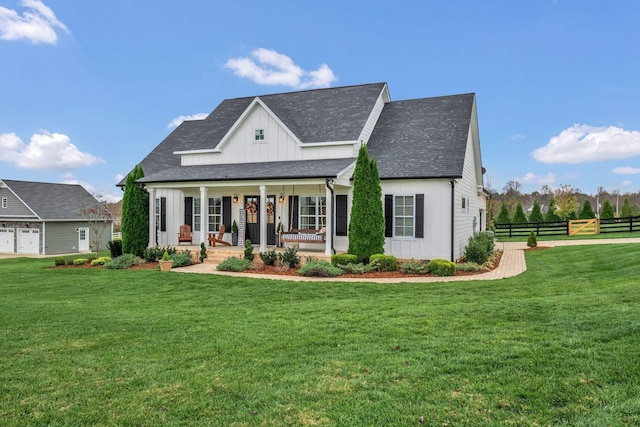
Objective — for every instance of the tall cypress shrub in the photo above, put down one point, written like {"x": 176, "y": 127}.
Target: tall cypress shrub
{"x": 536, "y": 213}
{"x": 366, "y": 225}
{"x": 135, "y": 215}
{"x": 503, "y": 216}
{"x": 586, "y": 212}
{"x": 607, "y": 210}
{"x": 519, "y": 216}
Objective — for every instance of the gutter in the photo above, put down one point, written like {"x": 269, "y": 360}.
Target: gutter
{"x": 453, "y": 187}
{"x": 326, "y": 183}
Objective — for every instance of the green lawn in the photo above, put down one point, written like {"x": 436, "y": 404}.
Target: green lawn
{"x": 557, "y": 345}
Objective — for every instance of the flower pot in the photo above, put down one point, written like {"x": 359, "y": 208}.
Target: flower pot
{"x": 234, "y": 239}
{"x": 165, "y": 265}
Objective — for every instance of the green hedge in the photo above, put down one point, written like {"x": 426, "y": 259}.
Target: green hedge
{"x": 343, "y": 259}
{"x": 442, "y": 267}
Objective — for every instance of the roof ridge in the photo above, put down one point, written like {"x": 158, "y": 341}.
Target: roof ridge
{"x": 308, "y": 90}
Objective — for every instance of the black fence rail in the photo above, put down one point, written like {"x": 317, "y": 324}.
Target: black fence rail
{"x": 613, "y": 225}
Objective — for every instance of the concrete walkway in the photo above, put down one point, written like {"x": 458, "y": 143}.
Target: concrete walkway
{"x": 512, "y": 263}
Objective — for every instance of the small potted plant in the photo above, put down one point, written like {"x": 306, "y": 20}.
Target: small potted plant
{"x": 166, "y": 263}
{"x": 234, "y": 233}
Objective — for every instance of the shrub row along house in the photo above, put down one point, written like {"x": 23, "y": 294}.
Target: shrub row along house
{"x": 48, "y": 219}
{"x": 289, "y": 158}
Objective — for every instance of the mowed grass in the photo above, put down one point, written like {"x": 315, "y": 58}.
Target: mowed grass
{"x": 557, "y": 345}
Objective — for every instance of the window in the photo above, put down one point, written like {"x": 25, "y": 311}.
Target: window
{"x": 403, "y": 216}
{"x": 196, "y": 214}
{"x": 4, "y": 203}
{"x": 313, "y": 212}
{"x": 259, "y": 135}
{"x": 157, "y": 214}
{"x": 161, "y": 214}
{"x": 465, "y": 205}
{"x": 215, "y": 213}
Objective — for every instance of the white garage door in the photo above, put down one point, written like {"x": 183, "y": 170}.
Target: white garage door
{"x": 6, "y": 240}
{"x": 28, "y": 241}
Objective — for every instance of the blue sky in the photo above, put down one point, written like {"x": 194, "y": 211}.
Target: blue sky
{"x": 89, "y": 88}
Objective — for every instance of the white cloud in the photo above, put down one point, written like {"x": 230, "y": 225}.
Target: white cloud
{"x": 584, "y": 143}
{"x": 518, "y": 137}
{"x": 273, "y": 68}
{"x": 36, "y": 24}
{"x": 531, "y": 178}
{"x": 626, "y": 170}
{"x": 119, "y": 177}
{"x": 50, "y": 151}
{"x": 178, "y": 120}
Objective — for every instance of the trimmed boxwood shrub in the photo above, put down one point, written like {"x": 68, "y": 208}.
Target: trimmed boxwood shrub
{"x": 442, "y": 267}
{"x": 319, "y": 269}
{"x": 234, "y": 264}
{"x": 532, "y": 241}
{"x": 181, "y": 259}
{"x": 80, "y": 261}
{"x": 60, "y": 261}
{"x": 343, "y": 259}
{"x": 100, "y": 261}
{"x": 414, "y": 267}
{"x": 381, "y": 262}
{"x": 248, "y": 250}
{"x": 269, "y": 257}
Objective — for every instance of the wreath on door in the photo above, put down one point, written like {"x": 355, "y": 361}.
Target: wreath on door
{"x": 251, "y": 207}
{"x": 269, "y": 207}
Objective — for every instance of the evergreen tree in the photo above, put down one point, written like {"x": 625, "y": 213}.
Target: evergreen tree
{"x": 625, "y": 212}
{"x": 586, "y": 212}
{"x": 503, "y": 216}
{"x": 519, "y": 216}
{"x": 536, "y": 213}
{"x": 552, "y": 215}
{"x": 366, "y": 225}
{"x": 607, "y": 210}
{"x": 135, "y": 215}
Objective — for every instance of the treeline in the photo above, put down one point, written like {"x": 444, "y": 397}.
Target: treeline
{"x": 561, "y": 204}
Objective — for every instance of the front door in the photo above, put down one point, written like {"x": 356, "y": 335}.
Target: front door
{"x": 252, "y": 211}
{"x": 271, "y": 220}
{"x": 83, "y": 240}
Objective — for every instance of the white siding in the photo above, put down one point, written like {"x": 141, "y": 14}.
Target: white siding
{"x": 371, "y": 122}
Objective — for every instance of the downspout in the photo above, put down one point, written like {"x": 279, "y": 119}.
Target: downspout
{"x": 333, "y": 208}
{"x": 453, "y": 204}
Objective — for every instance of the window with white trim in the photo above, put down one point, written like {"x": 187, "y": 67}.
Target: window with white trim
{"x": 5, "y": 203}
{"x": 214, "y": 215}
{"x": 196, "y": 214}
{"x": 313, "y": 212}
{"x": 157, "y": 214}
{"x": 404, "y": 216}
{"x": 259, "y": 135}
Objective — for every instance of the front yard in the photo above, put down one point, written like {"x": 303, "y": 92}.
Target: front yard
{"x": 555, "y": 345}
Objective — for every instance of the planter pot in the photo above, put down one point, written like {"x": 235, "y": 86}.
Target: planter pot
{"x": 234, "y": 239}
{"x": 165, "y": 265}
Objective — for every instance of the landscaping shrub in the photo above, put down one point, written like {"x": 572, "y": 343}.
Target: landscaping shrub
{"x": 100, "y": 261}
{"x": 442, "y": 267}
{"x": 470, "y": 266}
{"x": 122, "y": 262}
{"x": 479, "y": 247}
{"x": 80, "y": 261}
{"x": 319, "y": 268}
{"x": 290, "y": 257}
{"x": 203, "y": 252}
{"x": 234, "y": 264}
{"x": 60, "y": 261}
{"x": 269, "y": 257}
{"x": 414, "y": 267}
{"x": 532, "y": 241}
{"x": 337, "y": 259}
{"x": 155, "y": 254}
{"x": 381, "y": 262}
{"x": 115, "y": 247}
{"x": 353, "y": 268}
{"x": 181, "y": 259}
{"x": 248, "y": 250}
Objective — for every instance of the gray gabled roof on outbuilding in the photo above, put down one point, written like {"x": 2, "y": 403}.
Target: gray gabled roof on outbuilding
{"x": 52, "y": 201}
{"x": 422, "y": 138}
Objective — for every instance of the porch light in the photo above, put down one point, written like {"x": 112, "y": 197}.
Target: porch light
{"x": 26, "y": 225}
{"x": 281, "y": 198}
{"x": 4, "y": 225}
{"x": 235, "y": 197}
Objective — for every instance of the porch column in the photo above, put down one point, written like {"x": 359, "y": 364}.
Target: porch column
{"x": 204, "y": 214}
{"x": 152, "y": 217}
{"x": 328, "y": 237}
{"x": 263, "y": 218}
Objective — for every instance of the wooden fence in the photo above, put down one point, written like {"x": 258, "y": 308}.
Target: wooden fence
{"x": 600, "y": 226}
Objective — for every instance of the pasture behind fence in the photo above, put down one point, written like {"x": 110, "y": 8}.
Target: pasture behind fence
{"x": 594, "y": 226}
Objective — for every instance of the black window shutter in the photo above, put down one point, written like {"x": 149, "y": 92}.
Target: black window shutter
{"x": 293, "y": 211}
{"x": 341, "y": 215}
{"x": 188, "y": 211}
{"x": 420, "y": 216}
{"x": 163, "y": 214}
{"x": 388, "y": 215}
{"x": 226, "y": 213}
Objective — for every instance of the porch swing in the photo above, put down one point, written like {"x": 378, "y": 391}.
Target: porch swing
{"x": 298, "y": 236}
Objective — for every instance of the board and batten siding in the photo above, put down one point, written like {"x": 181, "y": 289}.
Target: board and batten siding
{"x": 15, "y": 208}
{"x": 61, "y": 237}
{"x": 437, "y": 219}
{"x": 278, "y": 145}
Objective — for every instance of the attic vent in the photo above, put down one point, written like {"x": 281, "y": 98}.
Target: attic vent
{"x": 259, "y": 135}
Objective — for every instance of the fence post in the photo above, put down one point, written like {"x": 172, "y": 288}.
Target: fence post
{"x": 568, "y": 232}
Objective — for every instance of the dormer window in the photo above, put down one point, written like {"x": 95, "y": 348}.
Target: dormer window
{"x": 259, "y": 135}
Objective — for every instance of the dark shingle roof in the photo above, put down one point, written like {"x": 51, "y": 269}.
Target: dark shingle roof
{"x": 325, "y": 168}
{"x": 422, "y": 138}
{"x": 320, "y": 115}
{"x": 52, "y": 201}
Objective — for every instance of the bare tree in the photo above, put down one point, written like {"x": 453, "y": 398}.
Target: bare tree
{"x": 97, "y": 216}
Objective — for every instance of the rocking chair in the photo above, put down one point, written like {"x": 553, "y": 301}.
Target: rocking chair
{"x": 185, "y": 234}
